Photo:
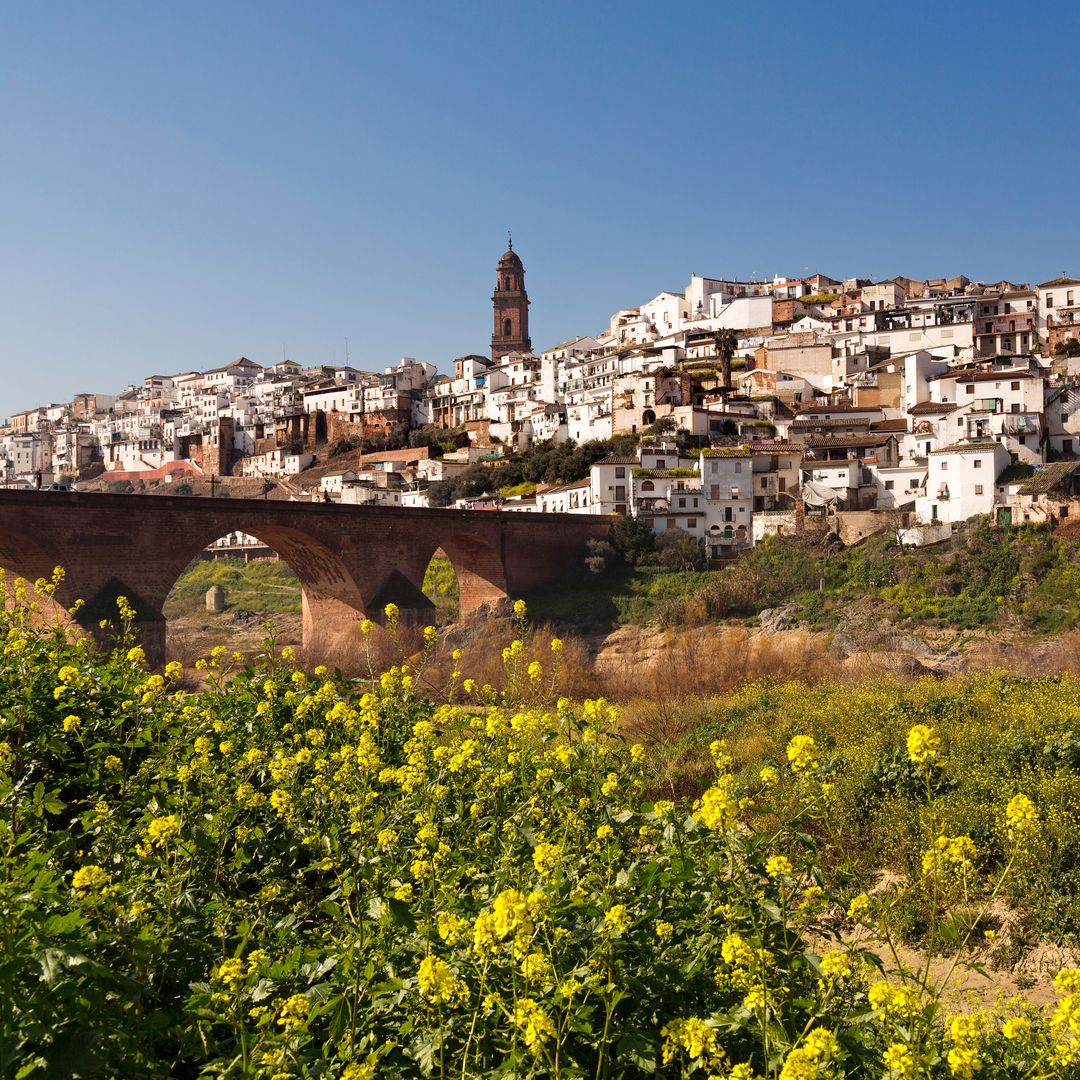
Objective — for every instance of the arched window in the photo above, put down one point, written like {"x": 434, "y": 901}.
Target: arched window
{"x": 648, "y": 417}
{"x": 506, "y": 283}
{"x": 647, "y": 485}
{"x": 508, "y": 328}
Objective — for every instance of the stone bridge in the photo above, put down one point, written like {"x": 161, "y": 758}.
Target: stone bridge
{"x": 351, "y": 560}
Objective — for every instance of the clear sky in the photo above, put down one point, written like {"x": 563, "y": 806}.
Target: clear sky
{"x": 182, "y": 184}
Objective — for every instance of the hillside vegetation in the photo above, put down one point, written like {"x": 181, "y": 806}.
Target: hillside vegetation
{"x": 292, "y": 874}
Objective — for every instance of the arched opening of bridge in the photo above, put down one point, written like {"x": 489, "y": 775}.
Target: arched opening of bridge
{"x": 478, "y": 566}
{"x": 268, "y": 576}
{"x": 442, "y": 588}
{"x": 236, "y": 592}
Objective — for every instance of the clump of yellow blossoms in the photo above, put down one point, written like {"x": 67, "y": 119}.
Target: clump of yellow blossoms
{"x": 803, "y": 754}
{"x": 923, "y": 744}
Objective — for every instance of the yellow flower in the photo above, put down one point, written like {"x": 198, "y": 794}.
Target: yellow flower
{"x": 694, "y": 1035}
{"x": 88, "y": 879}
{"x": 430, "y": 634}
{"x": 366, "y": 626}
{"x": 858, "y": 907}
{"x": 530, "y": 1019}
{"x": 536, "y": 671}
{"x": 803, "y": 754}
{"x": 519, "y": 608}
{"x": 556, "y": 645}
{"x": 806, "y": 1061}
{"x": 438, "y": 984}
{"x": 391, "y": 612}
{"x": 163, "y": 829}
{"x": 616, "y": 920}
{"x": 293, "y": 1013}
{"x": 664, "y": 930}
{"x": 1021, "y": 817}
{"x": 1016, "y": 1028}
{"x": 717, "y": 808}
{"x": 923, "y": 744}
{"x": 778, "y": 866}
{"x": 950, "y": 858}
{"x": 900, "y": 1060}
{"x": 888, "y": 1000}
{"x": 769, "y": 777}
{"x": 71, "y": 723}
{"x": 547, "y": 858}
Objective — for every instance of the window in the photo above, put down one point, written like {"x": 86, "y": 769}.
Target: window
{"x": 944, "y": 466}
{"x": 682, "y": 504}
{"x": 728, "y": 515}
{"x": 738, "y": 466}
{"x": 977, "y": 463}
{"x": 1049, "y": 300}
{"x": 1015, "y": 386}
{"x": 647, "y": 485}
{"x": 978, "y": 489}
{"x": 888, "y": 485}
{"x": 970, "y": 389}
{"x": 1015, "y": 407}
{"x": 620, "y": 473}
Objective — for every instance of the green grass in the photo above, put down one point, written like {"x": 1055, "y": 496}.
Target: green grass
{"x": 636, "y": 595}
{"x": 267, "y": 587}
{"x": 441, "y": 588}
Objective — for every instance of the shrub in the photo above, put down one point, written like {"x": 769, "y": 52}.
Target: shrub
{"x": 294, "y": 874}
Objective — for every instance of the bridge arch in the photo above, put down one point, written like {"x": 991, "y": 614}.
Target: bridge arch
{"x": 480, "y": 569}
{"x": 331, "y": 602}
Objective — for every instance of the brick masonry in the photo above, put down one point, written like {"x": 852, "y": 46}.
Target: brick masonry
{"x": 139, "y": 545}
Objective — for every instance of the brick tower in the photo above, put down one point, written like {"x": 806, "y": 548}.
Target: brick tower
{"x": 511, "y": 303}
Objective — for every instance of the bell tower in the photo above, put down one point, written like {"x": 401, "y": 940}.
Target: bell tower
{"x": 511, "y": 304}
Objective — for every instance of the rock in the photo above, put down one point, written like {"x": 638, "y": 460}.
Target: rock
{"x": 774, "y": 620}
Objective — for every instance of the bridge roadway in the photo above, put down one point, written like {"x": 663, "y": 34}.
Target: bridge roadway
{"x": 351, "y": 560}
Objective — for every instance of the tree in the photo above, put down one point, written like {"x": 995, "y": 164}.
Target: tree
{"x": 726, "y": 341}
{"x": 679, "y": 550}
{"x": 1068, "y": 347}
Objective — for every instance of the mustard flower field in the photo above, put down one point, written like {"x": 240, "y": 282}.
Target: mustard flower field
{"x": 291, "y": 874}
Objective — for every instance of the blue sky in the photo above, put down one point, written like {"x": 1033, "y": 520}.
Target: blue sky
{"x": 183, "y": 184}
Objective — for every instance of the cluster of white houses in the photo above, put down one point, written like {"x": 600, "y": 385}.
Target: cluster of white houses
{"x": 943, "y": 398}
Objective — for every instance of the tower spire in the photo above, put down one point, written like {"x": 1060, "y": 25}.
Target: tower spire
{"x": 509, "y": 240}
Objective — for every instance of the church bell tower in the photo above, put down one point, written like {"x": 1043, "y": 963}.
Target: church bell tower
{"x": 511, "y": 304}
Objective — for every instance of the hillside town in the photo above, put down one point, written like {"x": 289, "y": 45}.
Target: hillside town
{"x": 750, "y": 404}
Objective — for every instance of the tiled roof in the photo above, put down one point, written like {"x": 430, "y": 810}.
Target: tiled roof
{"x": 974, "y": 447}
{"x": 932, "y": 408}
{"x": 1047, "y": 477}
{"x": 860, "y": 442}
{"x": 617, "y": 459}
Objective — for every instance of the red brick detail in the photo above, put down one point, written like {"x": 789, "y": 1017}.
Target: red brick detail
{"x": 342, "y": 554}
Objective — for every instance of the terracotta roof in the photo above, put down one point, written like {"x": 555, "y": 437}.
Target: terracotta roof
{"x": 1058, "y": 281}
{"x": 617, "y": 459}
{"x": 932, "y": 408}
{"x": 889, "y": 425}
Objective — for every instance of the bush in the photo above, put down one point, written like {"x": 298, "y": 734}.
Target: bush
{"x": 293, "y": 873}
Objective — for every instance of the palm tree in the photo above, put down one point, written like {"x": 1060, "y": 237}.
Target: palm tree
{"x": 725, "y": 342}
